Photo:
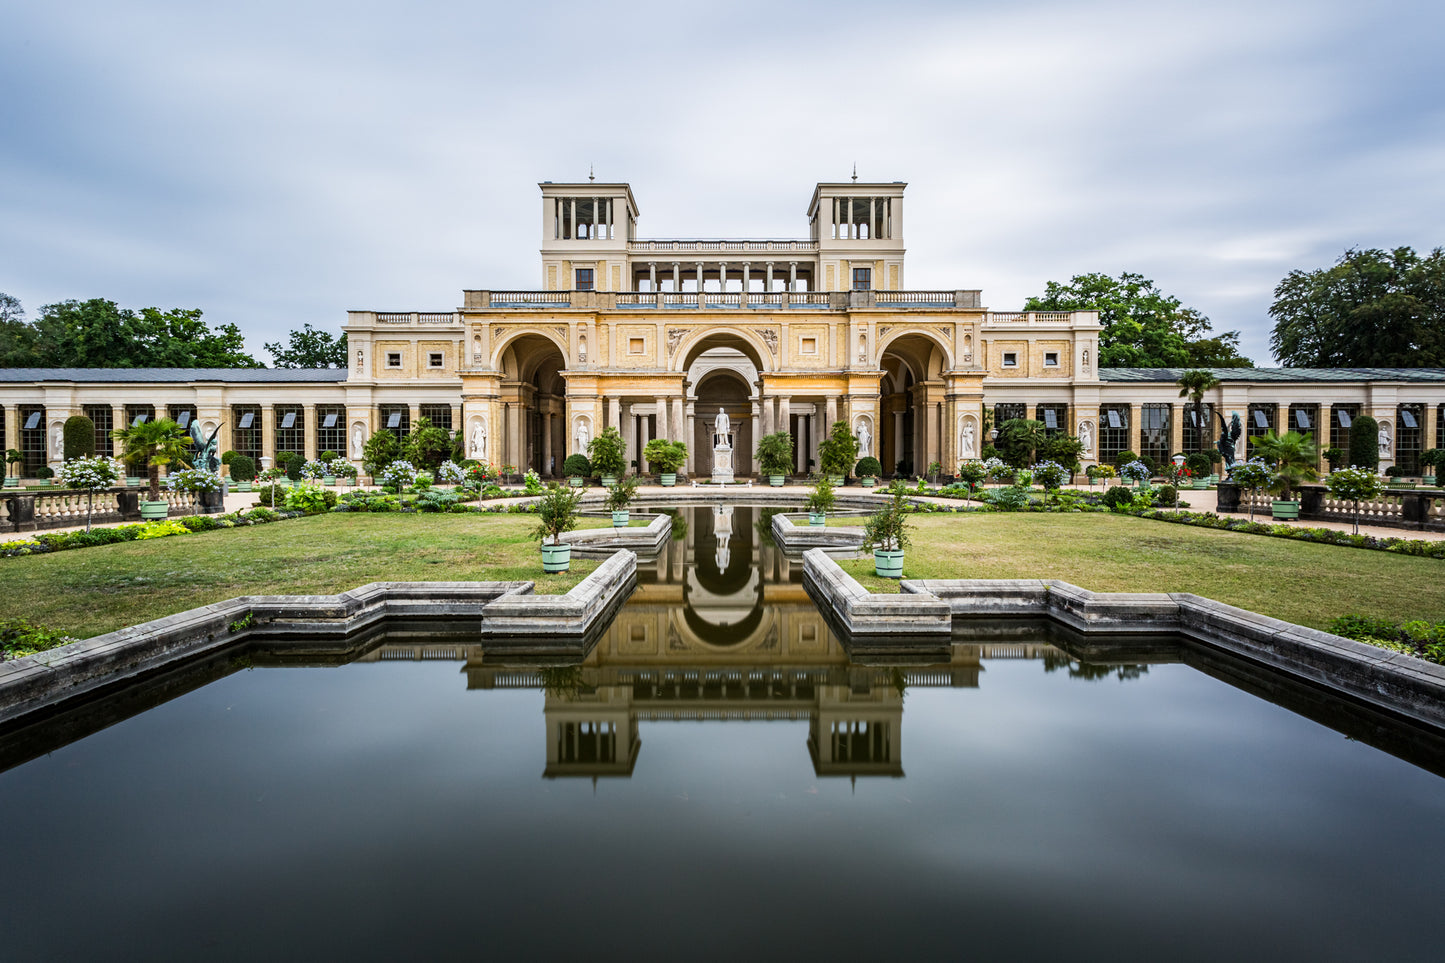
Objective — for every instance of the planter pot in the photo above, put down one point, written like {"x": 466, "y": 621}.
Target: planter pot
{"x": 241, "y": 486}
{"x": 133, "y": 482}
{"x": 620, "y": 519}
{"x": 329, "y": 480}
{"x": 154, "y": 511}
{"x": 888, "y": 564}
{"x": 868, "y": 481}
{"x": 1428, "y": 480}
{"x": 835, "y": 480}
{"x": 669, "y": 479}
{"x": 1199, "y": 484}
{"x": 575, "y": 481}
{"x": 1284, "y": 511}
{"x": 12, "y": 482}
{"x": 609, "y": 480}
{"x": 556, "y": 558}
{"x": 776, "y": 481}
{"x": 817, "y": 518}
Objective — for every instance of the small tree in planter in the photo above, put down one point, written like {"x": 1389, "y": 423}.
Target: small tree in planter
{"x": 243, "y": 471}
{"x": 154, "y": 444}
{"x": 398, "y": 475}
{"x": 1336, "y": 458}
{"x": 775, "y": 456}
{"x": 867, "y": 470}
{"x": 1294, "y": 457}
{"x": 451, "y": 473}
{"x": 838, "y": 452}
{"x": 1135, "y": 471}
{"x": 271, "y": 479}
{"x": 886, "y": 533}
{"x": 820, "y": 501}
{"x": 45, "y": 473}
{"x": 609, "y": 455}
{"x": 1052, "y": 476}
{"x": 1355, "y": 485}
{"x": 315, "y": 470}
{"x": 14, "y": 458}
{"x": 577, "y": 469}
{"x": 340, "y": 468}
{"x": 1432, "y": 459}
{"x": 557, "y": 512}
{"x": 90, "y": 475}
{"x": 667, "y": 457}
{"x": 1251, "y": 476}
{"x": 198, "y": 482}
{"x": 972, "y": 473}
{"x": 619, "y": 496}
{"x": 1100, "y": 473}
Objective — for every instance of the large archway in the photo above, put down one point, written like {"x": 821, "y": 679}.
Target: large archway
{"x": 911, "y": 404}
{"x": 534, "y": 405}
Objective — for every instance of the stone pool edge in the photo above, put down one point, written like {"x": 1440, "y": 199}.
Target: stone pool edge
{"x": 505, "y": 611}
{"x": 1399, "y": 683}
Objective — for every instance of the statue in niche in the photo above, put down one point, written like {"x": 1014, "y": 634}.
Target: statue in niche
{"x": 358, "y": 440}
{"x": 479, "y": 439}
{"x": 582, "y": 349}
{"x": 967, "y": 440}
{"x": 862, "y": 349}
{"x": 1086, "y": 359}
{"x": 477, "y": 359}
{"x": 968, "y": 347}
{"x": 57, "y": 440}
{"x": 1385, "y": 448}
{"x": 1086, "y": 437}
{"x": 865, "y": 438}
{"x": 359, "y": 368}
{"x": 584, "y": 434}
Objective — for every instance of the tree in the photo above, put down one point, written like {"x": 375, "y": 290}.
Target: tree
{"x": 154, "y": 444}
{"x": 1143, "y": 327}
{"x": 90, "y": 475}
{"x": 1294, "y": 457}
{"x": 1019, "y": 439}
{"x": 100, "y": 334}
{"x": 427, "y": 445}
{"x": 1371, "y": 309}
{"x": 79, "y": 437}
{"x": 1355, "y": 484}
{"x": 1193, "y": 385}
{"x": 381, "y": 450}
{"x": 310, "y": 348}
{"x": 1365, "y": 443}
{"x": 839, "y": 450}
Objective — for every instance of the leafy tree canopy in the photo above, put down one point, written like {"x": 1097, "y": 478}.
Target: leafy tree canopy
{"x": 99, "y": 334}
{"x": 1143, "y": 326}
{"x": 1373, "y": 308}
{"x": 310, "y": 348}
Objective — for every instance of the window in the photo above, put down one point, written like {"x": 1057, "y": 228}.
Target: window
{"x": 439, "y": 415}
{"x": 1154, "y": 433}
{"x": 290, "y": 430}
{"x": 330, "y": 429}
{"x": 1051, "y": 359}
{"x": 434, "y": 359}
{"x": 1010, "y": 359}
{"x": 810, "y": 346}
{"x": 138, "y": 414}
{"x": 396, "y": 419}
{"x": 181, "y": 414}
{"x": 1340, "y": 418}
{"x": 635, "y": 346}
{"x": 393, "y": 359}
{"x": 1260, "y": 420}
{"x": 584, "y": 279}
{"x": 1055, "y": 418}
{"x": 1199, "y": 428}
{"x": 1113, "y": 432}
{"x": 1008, "y": 412}
{"x": 1409, "y": 437}
{"x": 246, "y": 431}
{"x": 32, "y": 439}
{"x": 103, "y": 417}
{"x": 862, "y": 279}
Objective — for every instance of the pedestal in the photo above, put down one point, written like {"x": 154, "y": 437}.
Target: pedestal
{"x": 722, "y": 464}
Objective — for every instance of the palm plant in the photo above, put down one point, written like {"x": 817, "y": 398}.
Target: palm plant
{"x": 154, "y": 444}
{"x": 1294, "y": 457}
{"x": 1192, "y": 385}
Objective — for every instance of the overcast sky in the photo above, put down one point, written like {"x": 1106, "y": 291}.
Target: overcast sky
{"x": 276, "y": 163}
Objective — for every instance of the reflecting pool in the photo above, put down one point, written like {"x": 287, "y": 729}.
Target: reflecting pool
{"x": 717, "y": 778}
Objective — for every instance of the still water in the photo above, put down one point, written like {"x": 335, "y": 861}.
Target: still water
{"x": 715, "y": 780}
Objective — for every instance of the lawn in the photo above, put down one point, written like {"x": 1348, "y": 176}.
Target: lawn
{"x": 1295, "y": 581}
{"x": 85, "y": 592}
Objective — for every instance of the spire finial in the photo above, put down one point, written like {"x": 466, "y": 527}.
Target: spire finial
{"x": 855, "y": 172}
{"x": 592, "y": 177}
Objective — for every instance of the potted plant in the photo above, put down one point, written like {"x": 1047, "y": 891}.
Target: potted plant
{"x": 154, "y": 444}
{"x": 1355, "y": 484}
{"x": 243, "y": 471}
{"x": 577, "y": 469}
{"x": 1052, "y": 476}
{"x": 838, "y": 452}
{"x": 44, "y": 473}
{"x": 820, "y": 501}
{"x": 1337, "y": 458}
{"x": 398, "y": 476}
{"x": 339, "y": 468}
{"x": 867, "y": 471}
{"x": 609, "y": 455}
{"x": 1198, "y": 465}
{"x": 16, "y": 459}
{"x": 1431, "y": 458}
{"x": 1100, "y": 472}
{"x": 886, "y": 533}
{"x": 205, "y": 485}
{"x": 1294, "y": 457}
{"x": 271, "y": 478}
{"x": 934, "y": 470}
{"x": 89, "y": 475}
{"x": 557, "y": 512}
{"x": 667, "y": 457}
{"x": 509, "y": 474}
{"x": 619, "y": 496}
{"x": 775, "y": 456}
{"x": 1135, "y": 471}
{"x": 1251, "y": 476}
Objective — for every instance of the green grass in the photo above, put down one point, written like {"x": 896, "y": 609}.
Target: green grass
{"x": 87, "y": 591}
{"x": 1295, "y": 581}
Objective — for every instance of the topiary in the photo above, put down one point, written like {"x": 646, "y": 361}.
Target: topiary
{"x": 79, "y": 437}
{"x": 293, "y": 462}
{"x": 227, "y": 455}
{"x": 577, "y": 466}
{"x": 329, "y": 455}
{"x": 1117, "y": 497}
{"x": 1198, "y": 464}
{"x": 1365, "y": 442}
{"x": 243, "y": 468}
{"x": 868, "y": 467}
{"x": 1124, "y": 457}
{"x": 1166, "y": 495}
{"x": 44, "y": 471}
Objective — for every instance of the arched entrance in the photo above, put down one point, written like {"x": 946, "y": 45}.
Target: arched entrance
{"x": 911, "y": 412}
{"x": 722, "y": 389}
{"x": 534, "y": 405}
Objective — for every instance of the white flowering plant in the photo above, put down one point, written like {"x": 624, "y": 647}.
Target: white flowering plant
{"x": 532, "y": 482}
{"x": 90, "y": 475}
{"x": 451, "y": 473}
{"x": 1051, "y": 475}
{"x": 341, "y": 468}
{"x": 194, "y": 480}
{"x": 315, "y": 469}
{"x": 1135, "y": 471}
{"x": 398, "y": 475}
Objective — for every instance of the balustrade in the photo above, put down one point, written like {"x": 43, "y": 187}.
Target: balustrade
{"x": 32, "y": 511}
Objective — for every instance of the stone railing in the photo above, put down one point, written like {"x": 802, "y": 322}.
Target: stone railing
{"x": 1029, "y": 317}
{"x": 66, "y": 508}
{"x": 417, "y": 317}
{"x": 1393, "y": 509}
{"x": 765, "y": 300}
{"x": 660, "y": 247}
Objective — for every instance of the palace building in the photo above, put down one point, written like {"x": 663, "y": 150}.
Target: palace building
{"x": 656, "y": 336}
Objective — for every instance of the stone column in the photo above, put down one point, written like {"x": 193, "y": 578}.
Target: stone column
{"x": 1322, "y": 432}
{"x": 691, "y": 422}
{"x": 652, "y": 274}
{"x": 645, "y": 429}
{"x": 614, "y": 413}
{"x": 792, "y": 275}
{"x": 547, "y": 444}
{"x": 413, "y": 413}
{"x": 1176, "y": 428}
{"x": 785, "y": 420}
{"x": 268, "y": 433}
{"x": 12, "y": 430}
{"x": 308, "y": 433}
{"x": 1136, "y": 427}
{"x": 897, "y": 453}
{"x": 700, "y": 299}
{"x": 676, "y": 276}
{"x": 662, "y": 431}
{"x": 744, "y": 299}
{"x": 117, "y": 420}
{"x": 758, "y": 432}
{"x": 675, "y": 420}
{"x": 769, "y": 282}
{"x": 628, "y": 426}
{"x": 831, "y": 409}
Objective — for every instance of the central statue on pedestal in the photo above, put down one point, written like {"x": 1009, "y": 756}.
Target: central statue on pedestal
{"x": 722, "y": 449}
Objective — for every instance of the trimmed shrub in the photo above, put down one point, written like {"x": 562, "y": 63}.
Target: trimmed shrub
{"x": 577, "y": 466}
{"x": 868, "y": 467}
{"x": 1166, "y": 495}
{"x": 228, "y": 455}
{"x": 1118, "y": 497}
{"x": 79, "y": 439}
{"x": 1364, "y": 442}
{"x": 44, "y": 471}
{"x": 243, "y": 468}
{"x": 1198, "y": 463}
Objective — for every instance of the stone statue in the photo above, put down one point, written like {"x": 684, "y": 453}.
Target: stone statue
{"x": 862, "y": 348}
{"x": 1227, "y": 438}
{"x": 358, "y": 441}
{"x": 967, "y": 347}
{"x": 721, "y": 428}
{"x": 57, "y": 441}
{"x": 582, "y": 349}
{"x": 1385, "y": 449}
{"x": 1086, "y": 437}
{"x": 207, "y": 456}
{"x": 865, "y": 438}
{"x": 1086, "y": 359}
{"x": 584, "y": 435}
{"x": 479, "y": 439}
{"x": 966, "y": 440}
